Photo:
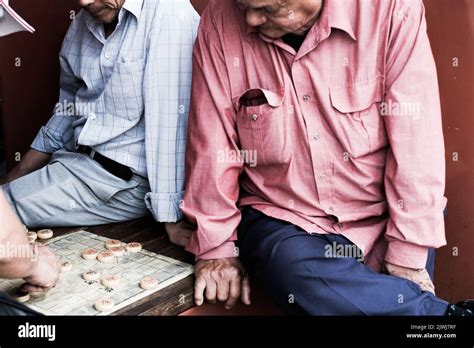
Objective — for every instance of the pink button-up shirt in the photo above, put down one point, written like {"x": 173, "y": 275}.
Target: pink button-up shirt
{"x": 343, "y": 136}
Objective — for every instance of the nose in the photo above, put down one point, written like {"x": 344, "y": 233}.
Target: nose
{"x": 254, "y": 18}
{"x": 84, "y": 3}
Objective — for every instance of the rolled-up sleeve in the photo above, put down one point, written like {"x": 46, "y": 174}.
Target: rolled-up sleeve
{"x": 415, "y": 167}
{"x": 212, "y": 187}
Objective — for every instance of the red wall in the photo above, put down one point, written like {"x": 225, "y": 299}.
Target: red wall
{"x": 451, "y": 30}
{"x": 30, "y": 92}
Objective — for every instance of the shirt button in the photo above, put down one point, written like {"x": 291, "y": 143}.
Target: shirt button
{"x": 331, "y": 209}
{"x": 316, "y": 136}
{"x": 322, "y": 176}
{"x": 107, "y": 55}
{"x": 306, "y": 98}
{"x": 255, "y": 117}
{"x": 340, "y": 225}
{"x": 92, "y": 116}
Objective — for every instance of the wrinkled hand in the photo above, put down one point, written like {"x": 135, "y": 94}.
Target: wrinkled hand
{"x": 221, "y": 279}
{"x": 179, "y": 233}
{"x": 45, "y": 272}
{"x": 421, "y": 277}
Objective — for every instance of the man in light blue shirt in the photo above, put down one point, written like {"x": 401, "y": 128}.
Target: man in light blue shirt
{"x": 114, "y": 147}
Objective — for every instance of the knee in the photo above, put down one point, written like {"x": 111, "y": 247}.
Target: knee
{"x": 284, "y": 268}
{"x": 300, "y": 259}
{"x": 5, "y": 191}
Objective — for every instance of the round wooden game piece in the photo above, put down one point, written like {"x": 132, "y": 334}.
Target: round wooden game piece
{"x": 22, "y": 296}
{"x": 104, "y": 304}
{"x": 91, "y": 275}
{"x": 112, "y": 243}
{"x": 89, "y": 254}
{"x": 110, "y": 280}
{"x": 134, "y": 247}
{"x": 148, "y": 283}
{"x": 45, "y": 234}
{"x": 117, "y": 251}
{"x": 105, "y": 256}
{"x": 66, "y": 266}
{"x": 32, "y": 236}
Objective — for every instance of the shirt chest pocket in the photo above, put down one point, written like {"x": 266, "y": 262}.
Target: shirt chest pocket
{"x": 123, "y": 95}
{"x": 263, "y": 126}
{"x": 356, "y": 117}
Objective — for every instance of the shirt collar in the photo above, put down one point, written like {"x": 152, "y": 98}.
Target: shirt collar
{"x": 134, "y": 7}
{"x": 335, "y": 14}
{"x": 339, "y": 15}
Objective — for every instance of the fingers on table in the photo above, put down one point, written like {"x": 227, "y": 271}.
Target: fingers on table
{"x": 199, "y": 287}
{"x": 246, "y": 290}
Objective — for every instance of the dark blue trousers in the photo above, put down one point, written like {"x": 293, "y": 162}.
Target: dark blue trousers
{"x": 300, "y": 277}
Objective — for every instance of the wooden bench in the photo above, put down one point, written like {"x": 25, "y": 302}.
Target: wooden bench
{"x": 171, "y": 300}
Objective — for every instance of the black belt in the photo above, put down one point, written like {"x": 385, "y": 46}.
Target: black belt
{"x": 115, "y": 168}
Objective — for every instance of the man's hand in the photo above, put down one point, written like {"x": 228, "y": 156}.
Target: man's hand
{"x": 221, "y": 279}
{"x": 45, "y": 272}
{"x": 179, "y": 233}
{"x": 421, "y": 277}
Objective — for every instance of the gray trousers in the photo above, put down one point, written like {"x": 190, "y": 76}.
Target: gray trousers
{"x": 74, "y": 190}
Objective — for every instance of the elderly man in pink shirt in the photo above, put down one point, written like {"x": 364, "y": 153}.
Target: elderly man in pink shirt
{"x": 316, "y": 157}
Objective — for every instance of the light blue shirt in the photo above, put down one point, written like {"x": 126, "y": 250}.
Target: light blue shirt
{"x": 127, "y": 96}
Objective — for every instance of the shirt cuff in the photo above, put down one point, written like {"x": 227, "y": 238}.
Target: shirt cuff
{"x": 226, "y": 250}
{"x": 165, "y": 206}
{"x": 43, "y": 143}
{"x": 406, "y": 254}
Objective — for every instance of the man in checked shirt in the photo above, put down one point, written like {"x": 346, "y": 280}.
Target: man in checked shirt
{"x": 342, "y": 208}
{"x": 114, "y": 148}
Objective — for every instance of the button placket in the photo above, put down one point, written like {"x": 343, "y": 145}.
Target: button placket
{"x": 318, "y": 151}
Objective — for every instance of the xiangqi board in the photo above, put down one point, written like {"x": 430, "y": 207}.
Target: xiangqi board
{"x": 73, "y": 295}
